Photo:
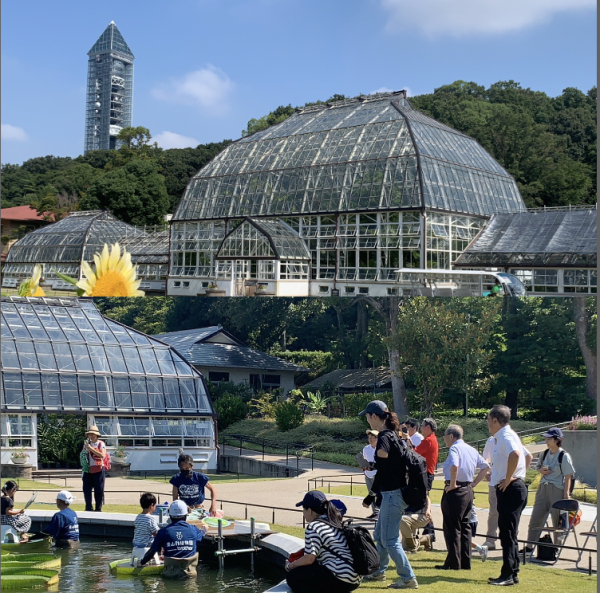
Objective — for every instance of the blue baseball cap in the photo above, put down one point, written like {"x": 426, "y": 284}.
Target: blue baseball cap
{"x": 553, "y": 433}
{"x": 375, "y": 407}
{"x": 339, "y": 505}
{"x": 314, "y": 500}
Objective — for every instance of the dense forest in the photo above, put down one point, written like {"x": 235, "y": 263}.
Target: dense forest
{"x": 522, "y": 351}
{"x": 547, "y": 143}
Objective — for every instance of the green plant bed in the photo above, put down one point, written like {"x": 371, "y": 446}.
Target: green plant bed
{"x": 338, "y": 440}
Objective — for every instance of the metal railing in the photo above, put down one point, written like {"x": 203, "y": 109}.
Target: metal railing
{"x": 265, "y": 446}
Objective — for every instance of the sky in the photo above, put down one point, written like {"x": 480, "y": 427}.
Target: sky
{"x": 203, "y": 68}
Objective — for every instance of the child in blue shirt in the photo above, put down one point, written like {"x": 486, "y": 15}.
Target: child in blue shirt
{"x": 64, "y": 527}
{"x": 189, "y": 485}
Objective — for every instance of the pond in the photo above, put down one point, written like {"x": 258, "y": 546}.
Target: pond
{"x": 86, "y": 570}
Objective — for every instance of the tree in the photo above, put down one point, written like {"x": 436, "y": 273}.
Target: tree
{"x": 441, "y": 347}
{"x": 54, "y": 207}
{"x": 134, "y": 138}
{"x": 134, "y": 193}
{"x": 585, "y": 320}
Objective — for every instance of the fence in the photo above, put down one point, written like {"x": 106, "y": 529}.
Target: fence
{"x": 242, "y": 441}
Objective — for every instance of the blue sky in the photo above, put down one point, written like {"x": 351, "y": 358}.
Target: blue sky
{"x": 203, "y": 68}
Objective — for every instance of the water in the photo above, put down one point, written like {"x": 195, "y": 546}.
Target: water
{"x": 85, "y": 570}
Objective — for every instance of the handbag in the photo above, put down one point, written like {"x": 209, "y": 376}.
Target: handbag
{"x": 545, "y": 552}
{"x": 84, "y": 461}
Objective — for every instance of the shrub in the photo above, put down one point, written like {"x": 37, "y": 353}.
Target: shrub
{"x": 242, "y": 391}
{"x": 60, "y": 437}
{"x": 584, "y": 423}
{"x": 357, "y": 402}
{"x": 315, "y": 403}
{"x": 288, "y": 416}
{"x": 584, "y": 493}
{"x": 263, "y": 406}
{"x": 230, "y": 409}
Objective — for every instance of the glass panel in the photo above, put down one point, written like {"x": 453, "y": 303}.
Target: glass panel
{"x": 82, "y": 358}
{"x": 45, "y": 356}
{"x": 33, "y": 391}
{"x": 122, "y": 393}
{"x": 70, "y": 391}
{"x": 149, "y": 361}
{"x": 105, "y": 392}
{"x": 139, "y": 393}
{"x": 51, "y": 391}
{"x": 99, "y": 360}
{"x": 62, "y": 353}
{"x": 87, "y": 392}
{"x": 10, "y": 360}
{"x": 172, "y": 397}
{"x": 165, "y": 361}
{"x": 132, "y": 359}
{"x": 155, "y": 394}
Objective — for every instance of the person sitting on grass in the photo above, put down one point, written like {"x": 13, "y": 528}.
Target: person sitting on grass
{"x": 179, "y": 540}
{"x": 145, "y": 528}
{"x": 327, "y": 563}
{"x": 64, "y": 526}
{"x": 18, "y": 520}
{"x": 188, "y": 486}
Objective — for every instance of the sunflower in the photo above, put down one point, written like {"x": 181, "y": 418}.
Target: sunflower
{"x": 31, "y": 286}
{"x": 115, "y": 276}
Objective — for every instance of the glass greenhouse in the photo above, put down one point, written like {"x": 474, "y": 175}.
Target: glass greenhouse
{"x": 550, "y": 251}
{"x": 62, "y": 246}
{"x": 368, "y": 185}
{"x": 63, "y": 356}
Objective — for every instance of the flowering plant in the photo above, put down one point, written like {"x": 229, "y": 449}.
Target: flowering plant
{"x": 119, "y": 453}
{"x": 20, "y": 453}
{"x": 114, "y": 275}
{"x": 584, "y": 423}
{"x": 31, "y": 286}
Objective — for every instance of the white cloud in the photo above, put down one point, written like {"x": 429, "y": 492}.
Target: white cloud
{"x": 461, "y": 18}
{"x": 172, "y": 140}
{"x": 384, "y": 89}
{"x": 9, "y": 132}
{"x": 208, "y": 87}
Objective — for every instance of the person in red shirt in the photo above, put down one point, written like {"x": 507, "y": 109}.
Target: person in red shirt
{"x": 429, "y": 449}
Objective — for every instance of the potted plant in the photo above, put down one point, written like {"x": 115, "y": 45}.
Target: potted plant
{"x": 19, "y": 457}
{"x": 213, "y": 290}
{"x": 119, "y": 462}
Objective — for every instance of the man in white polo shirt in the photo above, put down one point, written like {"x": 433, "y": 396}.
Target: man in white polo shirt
{"x": 509, "y": 465}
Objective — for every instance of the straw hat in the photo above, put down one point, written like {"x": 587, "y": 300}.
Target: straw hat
{"x": 93, "y": 430}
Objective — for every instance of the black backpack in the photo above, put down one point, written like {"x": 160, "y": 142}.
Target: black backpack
{"x": 415, "y": 491}
{"x": 365, "y": 557}
{"x": 560, "y": 458}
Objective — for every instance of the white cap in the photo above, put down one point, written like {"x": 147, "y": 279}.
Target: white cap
{"x": 65, "y": 496}
{"x": 178, "y": 508}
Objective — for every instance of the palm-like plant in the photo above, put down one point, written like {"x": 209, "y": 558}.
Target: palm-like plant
{"x": 315, "y": 402}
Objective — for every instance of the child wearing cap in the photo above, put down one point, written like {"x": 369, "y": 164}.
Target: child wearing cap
{"x": 64, "y": 527}
{"x": 327, "y": 563}
{"x": 179, "y": 541}
{"x": 189, "y": 485}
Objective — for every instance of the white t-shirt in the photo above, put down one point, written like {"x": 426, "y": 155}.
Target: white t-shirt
{"x": 369, "y": 455}
{"x": 505, "y": 441}
{"x": 416, "y": 439}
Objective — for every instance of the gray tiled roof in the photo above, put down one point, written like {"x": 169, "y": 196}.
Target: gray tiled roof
{"x": 191, "y": 345}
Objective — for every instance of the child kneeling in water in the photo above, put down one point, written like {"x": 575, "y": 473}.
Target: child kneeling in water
{"x": 179, "y": 541}
{"x": 146, "y": 527}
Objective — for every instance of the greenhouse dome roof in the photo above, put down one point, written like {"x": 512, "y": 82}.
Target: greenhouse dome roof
{"x": 73, "y": 239}
{"x": 366, "y": 154}
{"x": 63, "y": 355}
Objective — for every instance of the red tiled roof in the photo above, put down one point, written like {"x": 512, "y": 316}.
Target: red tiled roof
{"x": 20, "y": 213}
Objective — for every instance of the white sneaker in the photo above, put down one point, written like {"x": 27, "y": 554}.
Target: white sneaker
{"x": 483, "y": 552}
{"x": 376, "y": 576}
{"x": 490, "y": 545}
{"x": 400, "y": 584}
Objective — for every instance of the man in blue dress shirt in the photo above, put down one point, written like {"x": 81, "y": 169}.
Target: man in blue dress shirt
{"x": 457, "y": 500}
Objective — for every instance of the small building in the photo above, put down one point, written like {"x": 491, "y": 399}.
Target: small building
{"x": 550, "y": 250}
{"x": 61, "y": 356}
{"x": 17, "y": 222}
{"x": 64, "y": 245}
{"x": 219, "y": 356}
{"x": 374, "y": 380}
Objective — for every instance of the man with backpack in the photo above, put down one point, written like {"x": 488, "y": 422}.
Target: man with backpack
{"x": 556, "y": 467}
{"x": 457, "y": 500}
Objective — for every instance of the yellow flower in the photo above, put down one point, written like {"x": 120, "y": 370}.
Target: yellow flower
{"x": 115, "y": 276}
{"x": 31, "y": 286}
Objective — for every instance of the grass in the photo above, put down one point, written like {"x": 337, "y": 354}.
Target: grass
{"x": 218, "y": 478}
{"x": 34, "y": 485}
{"x": 533, "y": 579}
{"x": 481, "y": 493}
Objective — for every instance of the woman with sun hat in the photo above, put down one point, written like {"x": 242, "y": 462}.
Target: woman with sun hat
{"x": 94, "y": 452}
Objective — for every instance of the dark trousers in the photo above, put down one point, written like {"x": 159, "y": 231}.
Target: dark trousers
{"x": 428, "y": 529}
{"x": 510, "y": 505}
{"x": 315, "y": 578}
{"x": 456, "y": 508}
{"x": 93, "y": 482}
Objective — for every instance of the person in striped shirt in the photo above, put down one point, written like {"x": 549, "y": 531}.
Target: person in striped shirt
{"x": 145, "y": 528}
{"x": 327, "y": 565}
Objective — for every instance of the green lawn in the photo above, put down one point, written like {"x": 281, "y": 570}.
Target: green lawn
{"x": 481, "y": 493}
{"x": 533, "y": 579}
{"x": 33, "y": 485}
{"x": 218, "y": 478}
